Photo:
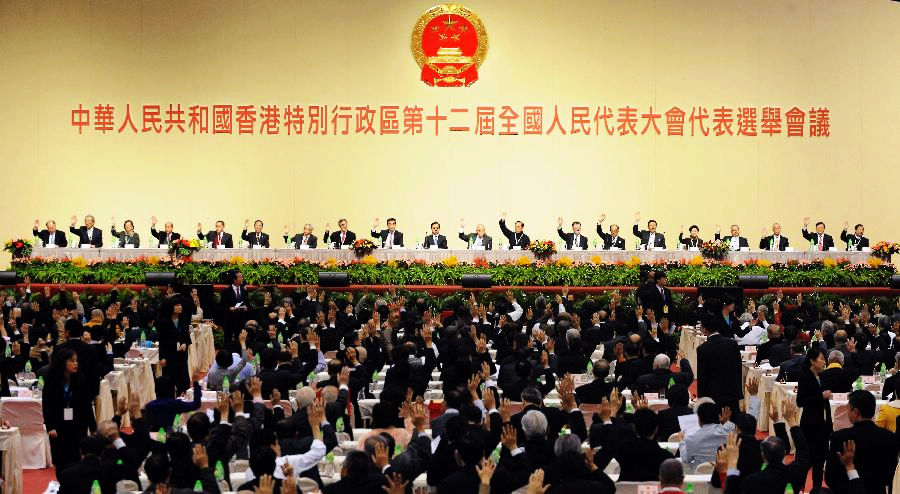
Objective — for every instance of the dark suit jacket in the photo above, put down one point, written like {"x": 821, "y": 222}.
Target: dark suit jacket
{"x": 608, "y": 241}
{"x": 658, "y": 379}
{"x": 593, "y": 392}
{"x": 765, "y": 243}
{"x": 59, "y": 238}
{"x": 570, "y": 237}
{"x": 228, "y": 298}
{"x": 837, "y": 380}
{"x": 79, "y": 477}
{"x": 335, "y": 238}
{"x": 876, "y": 457}
{"x": 211, "y": 238}
{"x": 383, "y": 235}
{"x": 858, "y": 243}
{"x": 161, "y": 236}
{"x": 251, "y": 238}
{"x": 668, "y": 421}
{"x": 640, "y": 459}
{"x": 827, "y": 241}
{"x": 644, "y": 235}
{"x": 297, "y": 241}
{"x": 689, "y": 242}
{"x": 123, "y": 239}
{"x": 719, "y": 370}
{"x": 742, "y": 241}
{"x": 816, "y": 417}
{"x": 515, "y": 240}
{"x": 657, "y": 301}
{"x": 775, "y": 477}
{"x": 429, "y": 241}
{"x": 96, "y": 239}
{"x": 486, "y": 241}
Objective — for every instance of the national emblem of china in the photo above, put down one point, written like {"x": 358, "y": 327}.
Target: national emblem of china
{"x": 449, "y": 43}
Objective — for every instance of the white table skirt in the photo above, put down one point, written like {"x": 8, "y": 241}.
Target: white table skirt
{"x": 27, "y": 415}
{"x": 431, "y": 255}
{"x": 11, "y": 445}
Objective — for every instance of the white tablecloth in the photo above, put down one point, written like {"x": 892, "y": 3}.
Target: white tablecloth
{"x": 202, "y": 351}
{"x": 786, "y": 392}
{"x": 11, "y": 445}
{"x": 690, "y": 340}
{"x": 26, "y": 414}
{"x": 435, "y": 255}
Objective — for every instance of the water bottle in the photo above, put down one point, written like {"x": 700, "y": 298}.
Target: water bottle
{"x": 859, "y": 384}
{"x": 143, "y": 338}
{"x": 176, "y": 423}
{"x": 256, "y": 362}
{"x": 689, "y": 488}
{"x": 397, "y": 450}
{"x": 95, "y": 487}
{"x": 495, "y": 455}
{"x": 28, "y": 366}
{"x": 198, "y": 486}
{"x": 882, "y": 372}
{"x": 41, "y": 383}
{"x": 789, "y": 489}
{"x": 161, "y": 435}
{"x": 7, "y": 352}
{"x": 220, "y": 471}
{"x": 226, "y": 385}
{"x": 339, "y": 424}
{"x": 312, "y": 378}
{"x": 671, "y": 382}
{"x": 590, "y": 368}
{"x": 812, "y": 245}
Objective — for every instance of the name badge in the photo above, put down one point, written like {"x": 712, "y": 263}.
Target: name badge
{"x": 345, "y": 247}
{"x": 838, "y": 396}
{"x": 304, "y": 246}
{"x": 163, "y": 246}
{"x": 517, "y": 247}
{"x": 68, "y": 414}
{"x": 832, "y": 249}
{"x": 129, "y": 246}
{"x": 220, "y": 246}
{"x": 433, "y": 246}
{"x": 257, "y": 246}
{"x": 86, "y": 246}
{"x": 478, "y": 247}
{"x": 745, "y": 249}
{"x": 868, "y": 379}
{"x": 665, "y": 309}
{"x": 651, "y": 396}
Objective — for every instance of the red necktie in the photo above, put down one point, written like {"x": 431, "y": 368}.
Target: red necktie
{"x": 343, "y": 236}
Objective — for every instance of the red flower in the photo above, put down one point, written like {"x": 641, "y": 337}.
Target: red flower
{"x": 18, "y": 245}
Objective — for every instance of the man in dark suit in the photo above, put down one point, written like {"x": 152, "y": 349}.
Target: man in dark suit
{"x": 477, "y": 240}
{"x": 257, "y": 237}
{"x": 574, "y": 240}
{"x": 390, "y": 238}
{"x": 660, "y": 297}
{"x": 341, "y": 237}
{"x": 657, "y": 381}
{"x": 735, "y": 240}
{"x": 306, "y": 238}
{"x": 818, "y": 240}
{"x": 80, "y": 476}
{"x": 166, "y": 236}
{"x": 640, "y": 458}
{"x": 856, "y": 241}
{"x": 678, "y": 397}
{"x": 775, "y": 241}
{"x": 235, "y": 305}
{"x": 719, "y": 366}
{"x": 593, "y": 392}
{"x": 776, "y": 475}
{"x": 87, "y": 234}
{"x": 50, "y": 236}
{"x": 611, "y": 240}
{"x": 218, "y": 238}
{"x": 835, "y": 378}
{"x": 650, "y": 239}
{"x": 516, "y": 238}
{"x": 693, "y": 241}
{"x": 876, "y": 448}
{"x": 435, "y": 240}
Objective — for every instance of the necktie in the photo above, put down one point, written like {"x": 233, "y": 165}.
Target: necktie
{"x": 390, "y": 239}
{"x": 257, "y": 239}
{"x": 219, "y": 239}
{"x": 90, "y": 235}
{"x": 821, "y": 245}
{"x": 237, "y": 293}
{"x": 168, "y": 238}
{"x": 575, "y": 241}
{"x": 304, "y": 239}
{"x": 343, "y": 236}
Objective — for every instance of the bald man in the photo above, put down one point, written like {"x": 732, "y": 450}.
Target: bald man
{"x": 166, "y": 236}
{"x": 775, "y": 241}
{"x": 478, "y": 240}
{"x": 51, "y": 237}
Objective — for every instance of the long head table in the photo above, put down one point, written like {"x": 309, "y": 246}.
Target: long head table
{"x": 436, "y": 255}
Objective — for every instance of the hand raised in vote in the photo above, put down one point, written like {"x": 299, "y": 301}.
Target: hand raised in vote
{"x": 199, "y": 227}
{"x": 560, "y": 221}
{"x": 375, "y": 223}
{"x": 246, "y": 223}
{"x": 602, "y": 217}
{"x": 74, "y": 220}
{"x": 153, "y": 220}
{"x": 805, "y": 221}
{"x": 637, "y": 216}
{"x": 286, "y": 229}
{"x": 37, "y": 223}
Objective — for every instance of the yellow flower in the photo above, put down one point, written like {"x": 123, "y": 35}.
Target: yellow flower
{"x": 153, "y": 260}
{"x": 392, "y": 263}
{"x": 634, "y": 261}
{"x": 369, "y": 259}
{"x": 596, "y": 260}
{"x": 763, "y": 263}
{"x": 829, "y": 262}
{"x": 237, "y": 260}
{"x": 523, "y": 261}
{"x": 450, "y": 261}
{"x": 875, "y": 261}
{"x": 330, "y": 262}
{"x": 696, "y": 261}
{"x": 564, "y": 261}
{"x": 79, "y": 262}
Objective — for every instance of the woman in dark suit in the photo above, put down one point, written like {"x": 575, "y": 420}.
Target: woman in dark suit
{"x": 816, "y": 419}
{"x": 128, "y": 237}
{"x": 67, "y": 408}
{"x": 174, "y": 339}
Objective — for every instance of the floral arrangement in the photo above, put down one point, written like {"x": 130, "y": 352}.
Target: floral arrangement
{"x": 18, "y": 247}
{"x": 884, "y": 249}
{"x": 363, "y": 247}
{"x": 714, "y": 249}
{"x": 184, "y": 247}
{"x": 542, "y": 247}
{"x": 522, "y": 271}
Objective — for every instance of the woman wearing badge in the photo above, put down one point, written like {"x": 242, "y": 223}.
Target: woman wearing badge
{"x": 68, "y": 414}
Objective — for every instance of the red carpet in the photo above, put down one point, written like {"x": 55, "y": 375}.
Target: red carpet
{"x": 35, "y": 481}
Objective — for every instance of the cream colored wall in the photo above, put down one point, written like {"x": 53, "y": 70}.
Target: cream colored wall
{"x": 842, "y": 54}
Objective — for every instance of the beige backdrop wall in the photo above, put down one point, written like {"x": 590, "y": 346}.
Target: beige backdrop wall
{"x": 841, "y": 54}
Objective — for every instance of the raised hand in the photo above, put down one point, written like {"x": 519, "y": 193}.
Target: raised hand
{"x": 485, "y": 470}
{"x": 508, "y": 438}
{"x": 559, "y": 221}
{"x": 199, "y": 227}
{"x": 74, "y": 220}
{"x": 536, "y": 483}
{"x": 153, "y": 221}
{"x": 602, "y": 218}
{"x": 805, "y": 221}
{"x": 637, "y": 216}
{"x": 732, "y": 450}
{"x": 848, "y": 454}
{"x": 375, "y": 223}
